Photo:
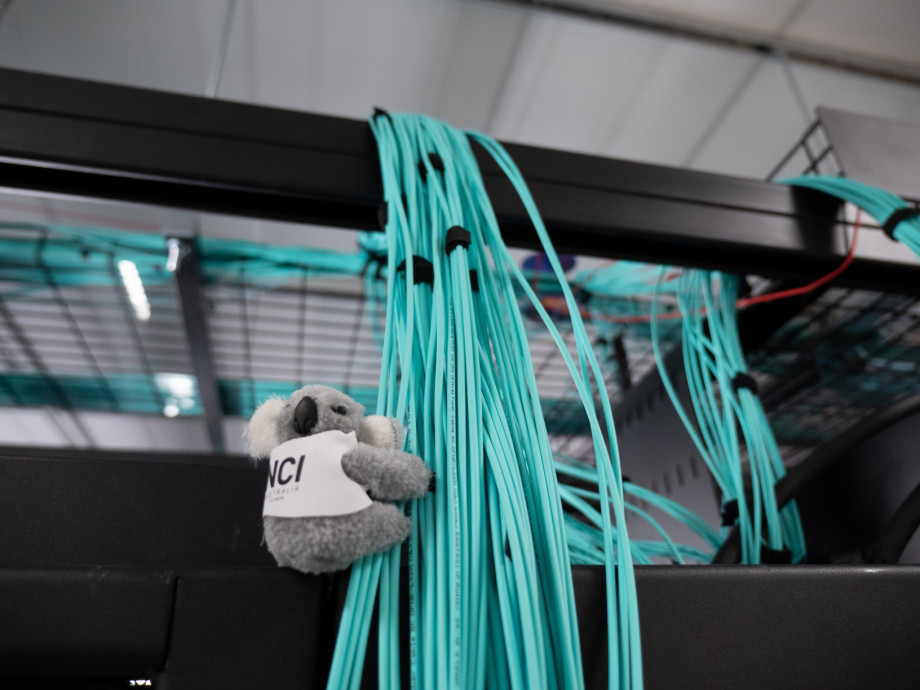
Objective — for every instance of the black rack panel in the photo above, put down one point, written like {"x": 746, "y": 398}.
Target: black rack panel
{"x": 118, "y": 565}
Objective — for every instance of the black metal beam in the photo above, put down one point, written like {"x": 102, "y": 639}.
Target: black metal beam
{"x": 194, "y": 315}
{"x": 75, "y": 137}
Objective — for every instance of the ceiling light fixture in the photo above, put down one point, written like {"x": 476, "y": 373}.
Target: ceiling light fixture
{"x": 175, "y": 250}
{"x": 135, "y": 289}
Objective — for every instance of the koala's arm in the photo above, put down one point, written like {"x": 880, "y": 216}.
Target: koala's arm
{"x": 388, "y": 474}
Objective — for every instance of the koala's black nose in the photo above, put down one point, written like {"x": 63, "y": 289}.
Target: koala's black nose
{"x": 305, "y": 416}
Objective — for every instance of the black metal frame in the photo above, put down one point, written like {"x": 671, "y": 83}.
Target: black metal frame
{"x": 75, "y": 137}
{"x": 194, "y": 316}
{"x": 151, "y": 565}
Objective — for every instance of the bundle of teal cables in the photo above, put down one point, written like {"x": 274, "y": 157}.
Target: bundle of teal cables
{"x": 491, "y": 600}
{"x": 899, "y": 219}
{"x": 724, "y": 402}
{"x": 36, "y": 254}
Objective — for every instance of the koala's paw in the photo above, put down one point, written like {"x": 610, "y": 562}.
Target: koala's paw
{"x": 382, "y": 432}
{"x": 389, "y": 475}
{"x": 419, "y": 478}
{"x": 408, "y": 475}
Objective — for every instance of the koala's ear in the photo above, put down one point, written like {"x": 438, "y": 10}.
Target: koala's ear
{"x": 260, "y": 434}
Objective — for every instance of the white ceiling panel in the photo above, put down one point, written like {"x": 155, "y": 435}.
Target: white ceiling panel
{"x": 750, "y": 15}
{"x": 758, "y": 130}
{"x": 885, "y": 30}
{"x": 481, "y": 52}
{"x": 859, "y": 94}
{"x": 572, "y": 82}
{"x": 677, "y": 104}
{"x": 347, "y": 56}
{"x": 765, "y": 122}
{"x": 161, "y": 45}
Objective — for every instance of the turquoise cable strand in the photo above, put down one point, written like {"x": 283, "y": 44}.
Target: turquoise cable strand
{"x": 878, "y": 203}
{"x": 712, "y": 359}
{"x": 490, "y": 594}
{"x": 723, "y": 417}
{"x": 623, "y": 638}
{"x": 74, "y": 255}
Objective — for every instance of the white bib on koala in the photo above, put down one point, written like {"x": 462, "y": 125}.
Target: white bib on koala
{"x": 306, "y": 479}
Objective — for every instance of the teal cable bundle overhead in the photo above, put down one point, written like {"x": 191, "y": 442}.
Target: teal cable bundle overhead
{"x": 271, "y": 265}
{"x": 619, "y": 279}
{"x": 36, "y": 254}
{"x": 726, "y": 414}
{"x": 491, "y": 600}
{"x": 898, "y": 219}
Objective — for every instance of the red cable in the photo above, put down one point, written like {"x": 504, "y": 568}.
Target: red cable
{"x": 795, "y": 292}
{"x": 747, "y": 301}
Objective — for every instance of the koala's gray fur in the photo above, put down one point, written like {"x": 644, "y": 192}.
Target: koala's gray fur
{"x": 324, "y": 544}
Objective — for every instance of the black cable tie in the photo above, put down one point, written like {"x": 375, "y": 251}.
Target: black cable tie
{"x": 422, "y": 270}
{"x": 380, "y": 112}
{"x": 729, "y": 513}
{"x": 895, "y": 219}
{"x": 436, "y": 162}
{"x": 383, "y": 215}
{"x": 770, "y": 556}
{"x": 507, "y": 547}
{"x": 474, "y": 280}
{"x": 742, "y": 380}
{"x": 456, "y": 237}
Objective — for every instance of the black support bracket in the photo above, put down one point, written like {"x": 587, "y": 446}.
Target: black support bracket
{"x": 194, "y": 315}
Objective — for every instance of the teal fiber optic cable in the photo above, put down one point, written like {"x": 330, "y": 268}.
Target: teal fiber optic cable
{"x": 727, "y": 415}
{"x": 888, "y": 209}
{"x": 490, "y": 594}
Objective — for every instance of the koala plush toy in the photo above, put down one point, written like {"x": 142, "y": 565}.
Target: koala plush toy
{"x": 331, "y": 470}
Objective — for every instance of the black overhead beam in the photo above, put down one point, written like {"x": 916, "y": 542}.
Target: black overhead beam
{"x": 76, "y": 137}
